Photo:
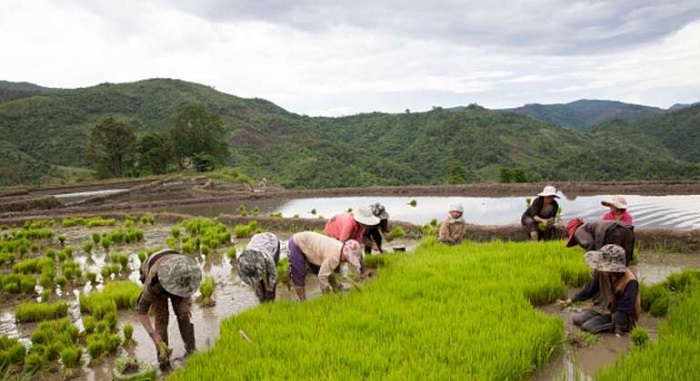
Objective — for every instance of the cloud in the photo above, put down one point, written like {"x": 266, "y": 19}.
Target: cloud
{"x": 559, "y": 27}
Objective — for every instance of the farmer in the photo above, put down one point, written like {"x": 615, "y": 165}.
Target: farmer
{"x": 618, "y": 210}
{"x": 257, "y": 265}
{"x": 539, "y": 217}
{"x": 322, "y": 254}
{"x": 373, "y": 234}
{"x": 352, "y": 225}
{"x": 593, "y": 235}
{"x": 619, "y": 303}
{"x": 453, "y": 228}
{"x": 165, "y": 275}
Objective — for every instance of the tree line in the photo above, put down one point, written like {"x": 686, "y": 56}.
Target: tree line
{"x": 196, "y": 139}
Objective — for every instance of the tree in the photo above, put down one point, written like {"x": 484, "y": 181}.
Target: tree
{"x": 111, "y": 147}
{"x": 456, "y": 174}
{"x": 197, "y": 133}
{"x": 154, "y": 153}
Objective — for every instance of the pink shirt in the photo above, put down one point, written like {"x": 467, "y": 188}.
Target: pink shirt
{"x": 626, "y": 217}
{"x": 344, "y": 227}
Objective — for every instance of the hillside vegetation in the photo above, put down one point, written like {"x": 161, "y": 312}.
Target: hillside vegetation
{"x": 45, "y": 136}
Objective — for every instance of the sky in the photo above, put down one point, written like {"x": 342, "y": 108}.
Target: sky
{"x": 343, "y": 57}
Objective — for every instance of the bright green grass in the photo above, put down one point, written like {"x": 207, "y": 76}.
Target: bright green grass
{"x": 676, "y": 355}
{"x": 461, "y": 312}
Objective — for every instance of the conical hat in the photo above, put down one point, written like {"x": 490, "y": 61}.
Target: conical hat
{"x": 179, "y": 275}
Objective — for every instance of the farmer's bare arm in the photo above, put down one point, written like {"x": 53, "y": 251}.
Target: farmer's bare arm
{"x": 146, "y": 323}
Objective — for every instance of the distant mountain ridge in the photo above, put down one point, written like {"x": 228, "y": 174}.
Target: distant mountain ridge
{"x": 17, "y": 90}
{"x": 586, "y": 113}
{"x": 43, "y": 137}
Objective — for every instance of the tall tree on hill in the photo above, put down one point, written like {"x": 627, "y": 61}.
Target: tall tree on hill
{"x": 198, "y": 138}
{"x": 111, "y": 147}
{"x": 154, "y": 153}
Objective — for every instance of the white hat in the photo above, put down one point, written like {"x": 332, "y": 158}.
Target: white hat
{"x": 456, "y": 208}
{"x": 548, "y": 191}
{"x": 618, "y": 202}
{"x": 365, "y": 216}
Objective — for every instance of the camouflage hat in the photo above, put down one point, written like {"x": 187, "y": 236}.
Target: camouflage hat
{"x": 179, "y": 275}
{"x": 610, "y": 258}
{"x": 250, "y": 267}
{"x": 379, "y": 211}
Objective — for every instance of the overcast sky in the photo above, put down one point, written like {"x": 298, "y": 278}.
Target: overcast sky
{"x": 342, "y": 57}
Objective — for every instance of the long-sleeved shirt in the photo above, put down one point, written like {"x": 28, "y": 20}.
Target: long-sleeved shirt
{"x": 344, "y": 227}
{"x": 594, "y": 235}
{"x": 452, "y": 230}
{"x": 259, "y": 260}
{"x": 624, "y": 303}
{"x": 322, "y": 251}
{"x": 625, "y": 218}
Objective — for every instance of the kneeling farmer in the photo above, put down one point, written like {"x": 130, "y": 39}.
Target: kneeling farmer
{"x": 619, "y": 303}
{"x": 323, "y": 255}
{"x": 168, "y": 274}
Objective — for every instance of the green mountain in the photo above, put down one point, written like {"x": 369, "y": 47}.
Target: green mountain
{"x": 45, "y": 135}
{"x": 585, "y": 113}
{"x": 17, "y": 90}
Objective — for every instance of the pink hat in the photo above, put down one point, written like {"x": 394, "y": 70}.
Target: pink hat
{"x": 353, "y": 252}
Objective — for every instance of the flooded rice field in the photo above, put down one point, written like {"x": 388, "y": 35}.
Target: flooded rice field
{"x": 232, "y": 297}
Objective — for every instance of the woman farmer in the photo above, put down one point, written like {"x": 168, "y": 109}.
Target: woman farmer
{"x": 619, "y": 304}
{"x": 168, "y": 275}
{"x": 618, "y": 210}
{"x": 594, "y": 235}
{"x": 322, "y": 254}
{"x": 257, "y": 265}
{"x": 539, "y": 217}
{"x": 373, "y": 234}
{"x": 347, "y": 226}
{"x": 452, "y": 229}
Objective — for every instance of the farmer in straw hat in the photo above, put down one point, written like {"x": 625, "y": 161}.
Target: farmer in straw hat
{"x": 620, "y": 304}
{"x": 540, "y": 216}
{"x": 168, "y": 274}
{"x": 618, "y": 210}
{"x": 452, "y": 229}
{"x": 322, "y": 254}
{"x": 257, "y": 265}
{"x": 593, "y": 235}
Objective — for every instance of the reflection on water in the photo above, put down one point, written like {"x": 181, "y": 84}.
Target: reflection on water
{"x": 677, "y": 212}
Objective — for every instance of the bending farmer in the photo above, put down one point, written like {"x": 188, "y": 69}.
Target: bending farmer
{"x": 322, "y": 254}
{"x": 257, "y": 265}
{"x": 593, "y": 235}
{"x": 168, "y": 275}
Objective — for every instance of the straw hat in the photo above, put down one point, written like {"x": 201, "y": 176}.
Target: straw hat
{"x": 617, "y": 202}
{"x": 548, "y": 191}
{"x": 353, "y": 252}
{"x": 610, "y": 258}
{"x": 365, "y": 216}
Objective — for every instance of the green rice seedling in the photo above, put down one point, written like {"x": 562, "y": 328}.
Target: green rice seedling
{"x": 45, "y": 295}
{"x": 640, "y": 337}
{"x": 70, "y": 357}
{"x": 283, "y": 272}
{"x": 95, "y": 346}
{"x": 62, "y": 240}
{"x": 34, "y": 362}
{"x": 175, "y": 231}
{"x": 231, "y": 253}
{"x": 313, "y": 212}
{"x": 50, "y": 253}
{"x": 256, "y": 211}
{"x": 142, "y": 255}
{"x": 62, "y": 256}
{"x": 91, "y": 276}
{"x": 45, "y": 281}
{"x": 128, "y": 331}
{"x": 89, "y": 324}
{"x": 96, "y": 238}
{"x": 413, "y": 203}
{"x": 205, "y": 250}
{"x": 397, "y": 232}
{"x": 123, "y": 294}
{"x": 61, "y": 281}
{"x": 88, "y": 246}
{"x": 31, "y": 266}
{"x": 106, "y": 243}
{"x": 148, "y": 219}
{"x": 206, "y": 288}
{"x": 34, "y": 312}
{"x": 172, "y": 243}
{"x": 34, "y": 248}
{"x": 375, "y": 261}
{"x": 242, "y": 210}
{"x": 12, "y": 353}
{"x": 188, "y": 247}
{"x": 242, "y": 231}
{"x": 276, "y": 215}
{"x": 72, "y": 221}
{"x": 99, "y": 221}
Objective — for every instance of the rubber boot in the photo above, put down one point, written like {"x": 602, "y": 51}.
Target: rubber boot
{"x": 187, "y": 333}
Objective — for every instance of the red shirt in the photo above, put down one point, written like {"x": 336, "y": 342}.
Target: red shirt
{"x": 344, "y": 227}
{"x": 625, "y": 218}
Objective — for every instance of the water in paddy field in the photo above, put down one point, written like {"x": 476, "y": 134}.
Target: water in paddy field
{"x": 670, "y": 212}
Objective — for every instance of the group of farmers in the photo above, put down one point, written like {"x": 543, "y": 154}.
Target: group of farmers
{"x": 170, "y": 275}
{"x": 609, "y": 242}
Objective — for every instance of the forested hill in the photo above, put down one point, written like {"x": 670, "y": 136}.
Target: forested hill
{"x": 586, "y": 113}
{"x": 44, "y": 137}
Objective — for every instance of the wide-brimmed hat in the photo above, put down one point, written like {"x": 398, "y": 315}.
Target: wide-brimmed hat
{"x": 353, "y": 252}
{"x": 610, "y": 258}
{"x": 179, "y": 275}
{"x": 548, "y": 191}
{"x": 364, "y": 216}
{"x": 250, "y": 267}
{"x": 379, "y": 211}
{"x": 618, "y": 202}
{"x": 571, "y": 227}
{"x": 456, "y": 208}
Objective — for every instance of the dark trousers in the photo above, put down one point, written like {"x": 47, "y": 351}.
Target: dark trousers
{"x": 593, "y": 321}
{"x": 181, "y": 307}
